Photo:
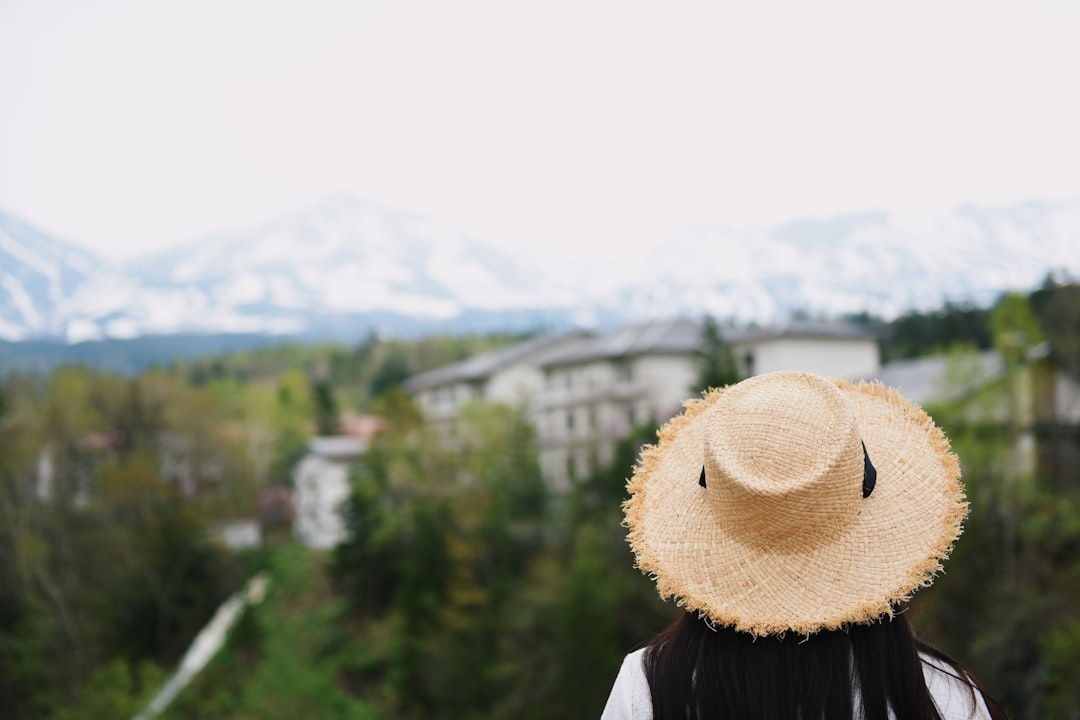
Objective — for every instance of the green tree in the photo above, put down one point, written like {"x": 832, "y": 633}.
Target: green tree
{"x": 919, "y": 333}
{"x": 1057, "y": 305}
{"x": 1007, "y": 603}
{"x": 1015, "y": 328}
{"x": 327, "y": 413}
{"x": 717, "y": 365}
{"x": 104, "y": 560}
{"x": 438, "y": 540}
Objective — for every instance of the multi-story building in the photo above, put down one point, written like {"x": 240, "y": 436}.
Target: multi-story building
{"x": 510, "y": 375}
{"x": 597, "y": 390}
{"x": 584, "y": 392}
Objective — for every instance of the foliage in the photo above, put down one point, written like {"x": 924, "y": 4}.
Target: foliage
{"x": 467, "y": 587}
{"x": 107, "y": 568}
{"x": 718, "y": 366}
{"x": 919, "y": 333}
{"x": 356, "y": 375}
{"x": 1015, "y": 328}
{"x": 113, "y": 690}
{"x": 437, "y": 541}
{"x": 1057, "y": 306}
{"x": 297, "y": 655}
{"x": 327, "y": 414}
{"x": 1007, "y": 605}
{"x": 460, "y": 561}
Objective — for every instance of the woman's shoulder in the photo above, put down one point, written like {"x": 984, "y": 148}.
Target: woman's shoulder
{"x": 956, "y": 698}
{"x": 630, "y": 698}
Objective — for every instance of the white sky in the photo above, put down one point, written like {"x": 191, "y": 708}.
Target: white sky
{"x": 132, "y": 125}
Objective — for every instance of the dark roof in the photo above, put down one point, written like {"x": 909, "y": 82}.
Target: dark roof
{"x": 482, "y": 366}
{"x": 677, "y": 335}
{"x": 798, "y": 328}
{"x": 670, "y": 336}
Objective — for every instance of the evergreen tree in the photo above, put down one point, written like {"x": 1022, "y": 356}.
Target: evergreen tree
{"x": 326, "y": 409}
{"x": 717, "y": 361}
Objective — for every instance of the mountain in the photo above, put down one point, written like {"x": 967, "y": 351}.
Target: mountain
{"x": 38, "y": 278}
{"x": 343, "y": 266}
{"x": 348, "y": 266}
{"x": 881, "y": 263}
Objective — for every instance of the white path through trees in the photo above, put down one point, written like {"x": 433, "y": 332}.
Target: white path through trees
{"x": 207, "y": 643}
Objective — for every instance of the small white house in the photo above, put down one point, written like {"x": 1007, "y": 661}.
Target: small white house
{"x": 239, "y": 534}
{"x": 321, "y": 485}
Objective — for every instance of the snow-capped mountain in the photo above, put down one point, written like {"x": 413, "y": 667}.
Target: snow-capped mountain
{"x": 38, "y": 277}
{"x": 881, "y": 263}
{"x": 349, "y": 265}
{"x": 345, "y": 259}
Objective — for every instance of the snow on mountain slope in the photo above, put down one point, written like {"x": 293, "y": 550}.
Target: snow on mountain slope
{"x": 348, "y": 259}
{"x": 345, "y": 256}
{"x": 38, "y": 276}
{"x": 881, "y": 263}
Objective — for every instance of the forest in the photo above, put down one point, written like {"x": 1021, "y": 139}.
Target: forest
{"x": 466, "y": 587}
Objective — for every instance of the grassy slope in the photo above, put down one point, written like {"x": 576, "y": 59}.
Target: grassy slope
{"x": 289, "y": 658}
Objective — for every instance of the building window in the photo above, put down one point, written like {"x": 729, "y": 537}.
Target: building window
{"x": 626, "y": 373}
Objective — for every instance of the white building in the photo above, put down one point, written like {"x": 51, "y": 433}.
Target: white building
{"x": 239, "y": 534}
{"x": 321, "y": 485}
{"x": 597, "y": 390}
{"x": 585, "y": 392}
{"x": 823, "y": 348}
{"x": 510, "y": 375}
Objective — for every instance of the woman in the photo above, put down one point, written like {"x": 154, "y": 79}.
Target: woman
{"x": 792, "y": 517}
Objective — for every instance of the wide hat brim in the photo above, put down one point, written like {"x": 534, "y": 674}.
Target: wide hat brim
{"x": 853, "y": 573}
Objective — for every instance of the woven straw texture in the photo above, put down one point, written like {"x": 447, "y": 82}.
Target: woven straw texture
{"x": 782, "y": 539}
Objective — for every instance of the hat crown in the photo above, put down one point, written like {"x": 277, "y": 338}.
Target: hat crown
{"x": 783, "y": 458}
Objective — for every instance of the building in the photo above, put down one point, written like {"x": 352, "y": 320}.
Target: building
{"x": 584, "y": 392}
{"x": 510, "y": 375}
{"x": 321, "y": 485}
{"x": 598, "y": 389}
{"x": 824, "y": 348}
{"x": 239, "y": 534}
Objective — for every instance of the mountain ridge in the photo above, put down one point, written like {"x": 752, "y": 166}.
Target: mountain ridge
{"x": 349, "y": 262}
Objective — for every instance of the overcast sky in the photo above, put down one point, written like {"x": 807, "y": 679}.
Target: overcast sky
{"x": 128, "y": 126}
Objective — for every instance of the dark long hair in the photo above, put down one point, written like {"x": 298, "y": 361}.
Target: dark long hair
{"x": 696, "y": 671}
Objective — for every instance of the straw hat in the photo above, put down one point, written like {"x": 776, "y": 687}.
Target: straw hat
{"x": 789, "y": 502}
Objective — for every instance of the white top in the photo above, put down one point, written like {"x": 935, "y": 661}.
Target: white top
{"x": 630, "y": 698}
